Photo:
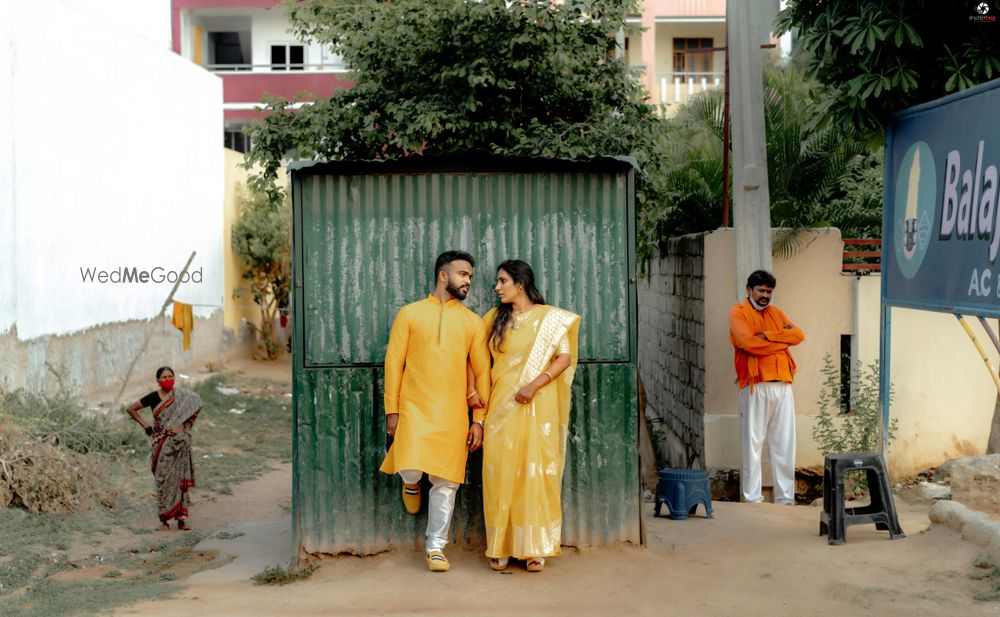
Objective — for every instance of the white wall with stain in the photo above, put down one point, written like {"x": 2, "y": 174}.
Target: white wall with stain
{"x": 110, "y": 159}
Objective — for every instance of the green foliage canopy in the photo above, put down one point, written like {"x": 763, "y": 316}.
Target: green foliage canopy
{"x": 880, "y": 56}
{"x": 452, "y": 76}
{"x": 817, "y": 174}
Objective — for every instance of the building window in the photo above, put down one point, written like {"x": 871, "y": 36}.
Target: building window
{"x": 236, "y": 139}
{"x": 846, "y": 364}
{"x": 693, "y": 65}
{"x": 229, "y": 51}
{"x": 288, "y": 57}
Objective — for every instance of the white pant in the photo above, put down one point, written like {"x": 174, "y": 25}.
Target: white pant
{"x": 768, "y": 410}
{"x": 440, "y": 505}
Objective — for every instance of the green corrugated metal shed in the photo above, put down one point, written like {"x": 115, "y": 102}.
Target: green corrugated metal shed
{"x": 365, "y": 238}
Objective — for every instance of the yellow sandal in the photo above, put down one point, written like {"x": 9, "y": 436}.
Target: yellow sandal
{"x": 437, "y": 562}
{"x": 411, "y": 497}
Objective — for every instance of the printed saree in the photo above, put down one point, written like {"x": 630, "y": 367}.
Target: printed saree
{"x": 171, "y": 461}
{"x": 524, "y": 446}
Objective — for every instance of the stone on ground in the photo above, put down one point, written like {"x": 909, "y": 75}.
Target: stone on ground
{"x": 975, "y": 482}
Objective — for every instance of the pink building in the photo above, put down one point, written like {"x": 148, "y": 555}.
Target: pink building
{"x": 247, "y": 43}
{"x": 671, "y": 72}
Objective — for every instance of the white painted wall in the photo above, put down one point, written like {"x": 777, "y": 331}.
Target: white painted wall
{"x": 944, "y": 396}
{"x": 815, "y": 295}
{"x": 8, "y": 262}
{"x": 271, "y": 28}
{"x": 116, "y": 162}
{"x": 147, "y": 18}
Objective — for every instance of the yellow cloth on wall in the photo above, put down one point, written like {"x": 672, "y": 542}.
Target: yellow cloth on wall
{"x": 184, "y": 321}
{"x": 524, "y": 446}
{"x": 430, "y": 346}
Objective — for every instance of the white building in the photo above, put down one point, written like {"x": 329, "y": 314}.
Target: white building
{"x": 109, "y": 161}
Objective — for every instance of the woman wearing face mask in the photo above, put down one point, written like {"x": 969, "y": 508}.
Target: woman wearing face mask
{"x": 534, "y": 349}
{"x": 174, "y": 411}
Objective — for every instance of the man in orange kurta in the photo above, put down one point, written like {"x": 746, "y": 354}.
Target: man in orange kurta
{"x": 761, "y": 335}
{"x": 427, "y": 396}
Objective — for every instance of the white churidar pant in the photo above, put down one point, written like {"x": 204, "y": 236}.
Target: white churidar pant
{"x": 440, "y": 505}
{"x": 768, "y": 411}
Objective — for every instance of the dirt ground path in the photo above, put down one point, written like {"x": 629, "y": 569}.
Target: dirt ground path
{"x": 750, "y": 559}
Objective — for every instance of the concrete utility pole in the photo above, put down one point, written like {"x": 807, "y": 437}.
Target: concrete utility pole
{"x": 746, "y": 20}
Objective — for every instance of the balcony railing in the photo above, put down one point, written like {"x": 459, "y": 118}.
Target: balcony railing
{"x": 277, "y": 68}
{"x": 678, "y": 88}
{"x": 864, "y": 260}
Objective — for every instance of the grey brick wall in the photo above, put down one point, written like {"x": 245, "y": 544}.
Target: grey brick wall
{"x": 672, "y": 351}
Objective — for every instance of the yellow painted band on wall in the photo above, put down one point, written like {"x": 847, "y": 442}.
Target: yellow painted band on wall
{"x": 982, "y": 352}
{"x": 197, "y": 45}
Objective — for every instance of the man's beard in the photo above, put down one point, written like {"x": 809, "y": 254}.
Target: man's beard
{"x": 456, "y": 292}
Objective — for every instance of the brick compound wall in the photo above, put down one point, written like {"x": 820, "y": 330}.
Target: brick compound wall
{"x": 672, "y": 351}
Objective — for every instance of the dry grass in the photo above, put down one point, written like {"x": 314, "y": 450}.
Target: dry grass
{"x": 59, "y": 459}
{"x": 45, "y": 478}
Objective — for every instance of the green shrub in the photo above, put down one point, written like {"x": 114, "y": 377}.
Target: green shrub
{"x": 856, "y": 428}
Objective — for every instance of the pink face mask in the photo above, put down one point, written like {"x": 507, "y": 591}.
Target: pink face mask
{"x": 167, "y": 383}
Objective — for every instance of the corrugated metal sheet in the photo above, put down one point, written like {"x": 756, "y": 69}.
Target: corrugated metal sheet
{"x": 343, "y": 504}
{"x": 341, "y": 501}
{"x": 365, "y": 242}
{"x": 601, "y": 481}
{"x": 376, "y": 237}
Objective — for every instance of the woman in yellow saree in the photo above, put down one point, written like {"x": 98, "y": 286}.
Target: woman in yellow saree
{"x": 534, "y": 352}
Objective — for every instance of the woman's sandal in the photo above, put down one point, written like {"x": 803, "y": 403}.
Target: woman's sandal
{"x": 535, "y": 564}
{"x": 498, "y": 564}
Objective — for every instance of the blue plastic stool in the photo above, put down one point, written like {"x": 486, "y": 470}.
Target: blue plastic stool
{"x": 682, "y": 490}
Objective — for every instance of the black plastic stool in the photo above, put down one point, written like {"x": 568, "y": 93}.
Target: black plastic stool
{"x": 682, "y": 490}
{"x": 835, "y": 518}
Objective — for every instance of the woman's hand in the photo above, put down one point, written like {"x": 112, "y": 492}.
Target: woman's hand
{"x": 525, "y": 394}
{"x": 149, "y": 430}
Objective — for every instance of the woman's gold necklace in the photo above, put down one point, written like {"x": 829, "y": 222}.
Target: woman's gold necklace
{"x": 518, "y": 318}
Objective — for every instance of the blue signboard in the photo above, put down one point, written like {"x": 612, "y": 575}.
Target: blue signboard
{"x": 941, "y": 221}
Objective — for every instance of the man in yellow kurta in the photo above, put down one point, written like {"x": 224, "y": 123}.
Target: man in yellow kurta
{"x": 427, "y": 396}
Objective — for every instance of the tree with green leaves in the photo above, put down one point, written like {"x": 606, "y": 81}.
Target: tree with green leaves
{"x": 879, "y": 56}
{"x": 814, "y": 169}
{"x": 452, "y": 76}
{"x": 262, "y": 238}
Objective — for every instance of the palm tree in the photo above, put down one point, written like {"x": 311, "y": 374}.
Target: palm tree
{"x": 808, "y": 161}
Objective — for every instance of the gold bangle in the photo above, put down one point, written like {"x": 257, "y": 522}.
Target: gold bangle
{"x": 546, "y": 373}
